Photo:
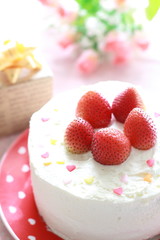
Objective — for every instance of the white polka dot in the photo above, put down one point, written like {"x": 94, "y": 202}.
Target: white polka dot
{"x": 12, "y": 209}
{"x": 21, "y": 195}
{"x": 25, "y": 168}
{"x": 32, "y": 221}
{"x": 31, "y": 238}
{"x": 22, "y": 150}
{"x": 9, "y": 178}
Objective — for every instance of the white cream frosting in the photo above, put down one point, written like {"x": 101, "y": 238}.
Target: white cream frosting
{"x": 81, "y": 204}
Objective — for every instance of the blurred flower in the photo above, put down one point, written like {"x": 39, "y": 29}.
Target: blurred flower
{"x": 143, "y": 44}
{"x": 121, "y": 58}
{"x": 67, "y": 39}
{"x": 49, "y": 2}
{"x": 120, "y": 2}
{"x": 115, "y": 42}
{"x": 88, "y": 61}
{"x": 141, "y": 41}
{"x": 68, "y": 15}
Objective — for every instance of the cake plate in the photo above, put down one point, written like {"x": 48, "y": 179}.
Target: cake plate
{"x": 17, "y": 205}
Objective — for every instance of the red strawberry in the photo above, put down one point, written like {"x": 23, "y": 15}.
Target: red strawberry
{"x": 125, "y": 102}
{"x": 140, "y": 129}
{"x": 110, "y": 146}
{"x": 78, "y": 136}
{"x": 95, "y": 109}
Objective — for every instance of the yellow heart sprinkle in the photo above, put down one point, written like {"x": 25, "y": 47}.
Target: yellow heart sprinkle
{"x": 60, "y": 162}
{"x": 53, "y": 141}
{"x": 89, "y": 180}
{"x": 148, "y": 178}
{"x": 55, "y": 110}
{"x": 47, "y": 163}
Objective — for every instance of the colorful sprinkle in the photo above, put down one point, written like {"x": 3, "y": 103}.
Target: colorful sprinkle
{"x": 89, "y": 180}
{"x": 124, "y": 178}
{"x": 53, "y": 141}
{"x": 44, "y": 119}
{"x": 70, "y": 168}
{"x": 47, "y": 163}
{"x": 150, "y": 162}
{"x": 55, "y": 110}
{"x": 157, "y": 114}
{"x": 118, "y": 191}
{"x": 148, "y": 178}
{"x": 45, "y": 155}
{"x": 67, "y": 181}
{"x": 60, "y": 162}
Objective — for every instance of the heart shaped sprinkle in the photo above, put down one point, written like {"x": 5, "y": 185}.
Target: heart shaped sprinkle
{"x": 89, "y": 180}
{"x": 70, "y": 168}
{"x": 157, "y": 114}
{"x": 53, "y": 141}
{"x": 67, "y": 180}
{"x": 124, "y": 178}
{"x": 118, "y": 191}
{"x": 150, "y": 162}
{"x": 47, "y": 163}
{"x": 45, "y": 155}
{"x": 44, "y": 119}
{"x": 60, "y": 162}
{"x": 148, "y": 178}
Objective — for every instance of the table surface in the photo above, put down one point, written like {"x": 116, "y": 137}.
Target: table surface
{"x": 143, "y": 71}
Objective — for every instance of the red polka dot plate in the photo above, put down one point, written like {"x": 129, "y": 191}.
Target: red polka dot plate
{"x": 18, "y": 209}
{"x": 17, "y": 206}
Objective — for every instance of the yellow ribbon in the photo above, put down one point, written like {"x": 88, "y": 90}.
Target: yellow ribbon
{"x": 14, "y": 58}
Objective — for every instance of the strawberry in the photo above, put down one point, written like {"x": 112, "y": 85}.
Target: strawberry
{"x": 125, "y": 102}
{"x": 140, "y": 129}
{"x": 95, "y": 109}
{"x": 110, "y": 146}
{"x": 78, "y": 136}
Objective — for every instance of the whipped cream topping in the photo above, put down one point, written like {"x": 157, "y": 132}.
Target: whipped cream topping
{"x": 80, "y": 174}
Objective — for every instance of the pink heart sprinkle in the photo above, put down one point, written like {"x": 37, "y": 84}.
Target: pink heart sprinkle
{"x": 150, "y": 162}
{"x": 118, "y": 191}
{"x": 67, "y": 181}
{"x": 70, "y": 168}
{"x": 44, "y": 119}
{"x": 45, "y": 155}
{"x": 157, "y": 114}
{"x": 124, "y": 178}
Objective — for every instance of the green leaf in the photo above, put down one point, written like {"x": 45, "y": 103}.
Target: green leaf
{"x": 152, "y": 9}
{"x": 91, "y": 6}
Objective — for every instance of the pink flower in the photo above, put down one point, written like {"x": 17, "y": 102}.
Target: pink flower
{"x": 68, "y": 15}
{"x": 143, "y": 44}
{"x": 67, "y": 39}
{"x": 118, "y": 46}
{"x": 120, "y": 59}
{"x": 115, "y": 42}
{"x": 141, "y": 41}
{"x": 88, "y": 61}
{"x": 48, "y": 2}
{"x": 120, "y": 2}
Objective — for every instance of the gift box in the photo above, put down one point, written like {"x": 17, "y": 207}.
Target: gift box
{"x": 22, "y": 92}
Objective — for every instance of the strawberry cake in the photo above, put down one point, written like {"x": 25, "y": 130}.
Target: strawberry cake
{"x": 95, "y": 163}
